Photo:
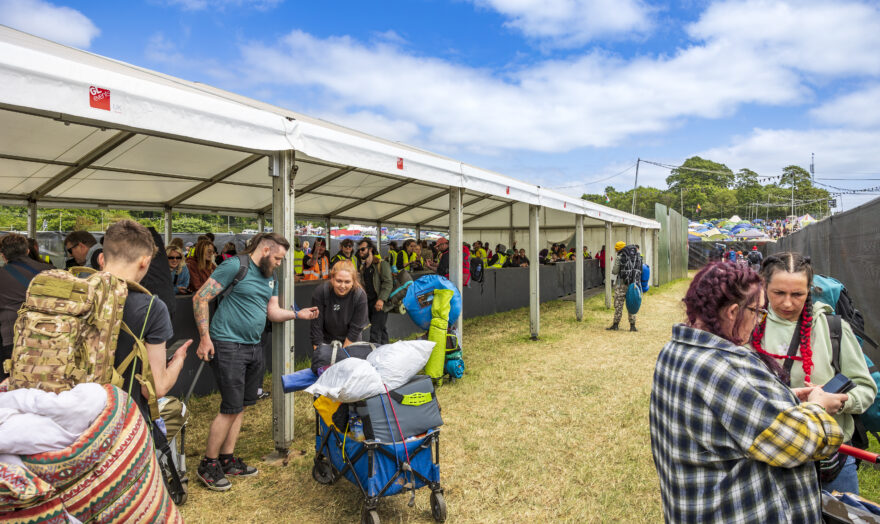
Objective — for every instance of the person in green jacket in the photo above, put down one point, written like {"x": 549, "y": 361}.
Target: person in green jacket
{"x": 794, "y": 318}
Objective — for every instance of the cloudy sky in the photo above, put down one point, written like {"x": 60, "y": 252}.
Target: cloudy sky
{"x": 563, "y": 93}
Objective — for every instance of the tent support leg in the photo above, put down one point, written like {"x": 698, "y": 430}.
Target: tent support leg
{"x": 169, "y": 226}
{"x": 32, "y": 218}
{"x": 418, "y": 233}
{"x": 534, "y": 286}
{"x": 456, "y": 235}
{"x": 261, "y": 224}
{"x": 579, "y": 267}
{"x": 609, "y": 254}
{"x": 511, "y": 239}
{"x": 629, "y": 235}
{"x": 282, "y": 333}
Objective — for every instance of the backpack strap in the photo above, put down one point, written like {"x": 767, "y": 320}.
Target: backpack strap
{"x": 78, "y": 270}
{"x": 793, "y": 346}
{"x": 835, "y": 330}
{"x": 17, "y": 274}
{"x": 139, "y": 350}
{"x": 244, "y": 265}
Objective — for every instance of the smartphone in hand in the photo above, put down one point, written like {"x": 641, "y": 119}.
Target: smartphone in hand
{"x": 840, "y": 383}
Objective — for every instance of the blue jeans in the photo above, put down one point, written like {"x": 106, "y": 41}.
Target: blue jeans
{"x": 847, "y": 480}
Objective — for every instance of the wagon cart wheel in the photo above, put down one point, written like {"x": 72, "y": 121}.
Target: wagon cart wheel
{"x": 438, "y": 506}
{"x": 369, "y": 516}
{"x": 322, "y": 472}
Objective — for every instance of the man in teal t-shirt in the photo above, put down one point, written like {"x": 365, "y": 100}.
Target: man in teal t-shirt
{"x": 231, "y": 343}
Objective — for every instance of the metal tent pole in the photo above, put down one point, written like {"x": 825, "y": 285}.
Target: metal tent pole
{"x": 534, "y": 266}
{"x": 168, "y": 226}
{"x": 609, "y": 250}
{"x": 655, "y": 255}
{"x": 579, "y": 267}
{"x": 282, "y": 334}
{"x": 32, "y": 218}
{"x": 456, "y": 233}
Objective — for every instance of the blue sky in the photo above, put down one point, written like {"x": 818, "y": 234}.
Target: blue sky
{"x": 561, "y": 93}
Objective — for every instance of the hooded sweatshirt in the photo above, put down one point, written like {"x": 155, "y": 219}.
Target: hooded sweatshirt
{"x": 777, "y": 338}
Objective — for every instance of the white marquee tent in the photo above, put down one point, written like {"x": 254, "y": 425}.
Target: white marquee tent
{"x": 82, "y": 130}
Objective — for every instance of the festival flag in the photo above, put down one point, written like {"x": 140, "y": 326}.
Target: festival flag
{"x": 607, "y": 200}
{"x": 699, "y": 208}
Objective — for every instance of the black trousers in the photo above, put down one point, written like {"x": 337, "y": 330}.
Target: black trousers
{"x": 378, "y": 319}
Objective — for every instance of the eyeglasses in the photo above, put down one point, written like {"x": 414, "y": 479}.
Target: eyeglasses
{"x": 363, "y": 248}
{"x": 70, "y": 249}
{"x": 174, "y": 258}
{"x": 760, "y": 312}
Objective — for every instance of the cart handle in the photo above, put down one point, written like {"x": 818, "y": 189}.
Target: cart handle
{"x": 860, "y": 454}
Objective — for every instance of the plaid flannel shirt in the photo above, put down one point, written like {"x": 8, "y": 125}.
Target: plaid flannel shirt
{"x": 730, "y": 442}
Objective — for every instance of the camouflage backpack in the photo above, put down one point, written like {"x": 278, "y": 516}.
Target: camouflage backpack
{"x": 67, "y": 330}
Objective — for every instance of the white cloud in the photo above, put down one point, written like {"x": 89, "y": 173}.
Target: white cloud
{"x": 813, "y": 36}
{"x": 857, "y": 109}
{"x": 840, "y": 153}
{"x": 570, "y": 23}
{"x": 200, "y": 5}
{"x": 60, "y": 24}
{"x": 374, "y": 124}
{"x": 590, "y": 100}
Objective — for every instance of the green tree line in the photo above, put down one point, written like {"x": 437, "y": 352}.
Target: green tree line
{"x": 720, "y": 193}
{"x": 14, "y": 218}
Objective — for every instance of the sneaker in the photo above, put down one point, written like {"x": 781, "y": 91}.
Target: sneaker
{"x": 237, "y": 468}
{"x": 211, "y": 474}
{"x": 263, "y": 395}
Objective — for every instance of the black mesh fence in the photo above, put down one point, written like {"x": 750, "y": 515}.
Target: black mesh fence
{"x": 845, "y": 246}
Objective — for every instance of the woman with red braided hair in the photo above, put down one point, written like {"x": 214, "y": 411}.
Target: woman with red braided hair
{"x": 795, "y": 333}
{"x": 730, "y": 441}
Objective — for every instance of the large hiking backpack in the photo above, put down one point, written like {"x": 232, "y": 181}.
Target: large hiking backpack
{"x": 476, "y": 269}
{"x": 67, "y": 330}
{"x": 630, "y": 265}
{"x": 829, "y": 290}
{"x": 754, "y": 257}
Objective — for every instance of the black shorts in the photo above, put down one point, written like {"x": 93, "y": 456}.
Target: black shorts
{"x": 238, "y": 369}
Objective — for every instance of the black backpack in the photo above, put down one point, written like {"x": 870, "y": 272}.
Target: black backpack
{"x": 754, "y": 257}
{"x": 476, "y": 269}
{"x": 630, "y": 270}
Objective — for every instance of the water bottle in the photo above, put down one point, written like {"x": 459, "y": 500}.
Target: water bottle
{"x": 356, "y": 428}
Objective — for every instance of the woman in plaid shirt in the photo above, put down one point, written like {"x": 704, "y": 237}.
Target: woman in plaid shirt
{"x": 730, "y": 441}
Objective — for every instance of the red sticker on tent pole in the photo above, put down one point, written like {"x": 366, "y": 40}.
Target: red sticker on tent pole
{"x": 508, "y": 190}
{"x": 399, "y": 163}
{"x": 99, "y": 98}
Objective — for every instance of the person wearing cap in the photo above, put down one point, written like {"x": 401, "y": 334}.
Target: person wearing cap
{"x": 443, "y": 263}
{"x": 620, "y": 293}
{"x": 755, "y": 258}
{"x": 346, "y": 252}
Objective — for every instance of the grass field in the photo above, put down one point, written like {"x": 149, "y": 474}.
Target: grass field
{"x": 554, "y": 430}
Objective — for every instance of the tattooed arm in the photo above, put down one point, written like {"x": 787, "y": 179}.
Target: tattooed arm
{"x": 203, "y": 296}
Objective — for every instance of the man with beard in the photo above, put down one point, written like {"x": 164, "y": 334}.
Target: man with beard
{"x": 231, "y": 343}
{"x": 378, "y": 282}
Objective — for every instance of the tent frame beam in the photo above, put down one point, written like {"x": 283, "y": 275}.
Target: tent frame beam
{"x": 410, "y": 207}
{"x": 222, "y": 175}
{"x": 83, "y": 163}
{"x": 369, "y": 197}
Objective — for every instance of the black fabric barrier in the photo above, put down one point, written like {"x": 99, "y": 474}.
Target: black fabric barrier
{"x": 502, "y": 290}
{"x": 701, "y": 253}
{"x": 846, "y": 246}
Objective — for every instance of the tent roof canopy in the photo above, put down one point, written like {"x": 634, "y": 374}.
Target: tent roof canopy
{"x": 79, "y": 130}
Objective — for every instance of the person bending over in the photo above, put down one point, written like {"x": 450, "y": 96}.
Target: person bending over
{"x": 231, "y": 343}
{"x": 732, "y": 443}
{"x": 342, "y": 307}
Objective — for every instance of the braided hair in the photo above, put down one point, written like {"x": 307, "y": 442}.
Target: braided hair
{"x": 792, "y": 263}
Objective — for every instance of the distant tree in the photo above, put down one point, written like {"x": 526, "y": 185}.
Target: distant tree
{"x": 795, "y": 176}
{"x": 699, "y": 172}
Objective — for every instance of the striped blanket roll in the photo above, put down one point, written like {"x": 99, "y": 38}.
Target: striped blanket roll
{"x": 109, "y": 475}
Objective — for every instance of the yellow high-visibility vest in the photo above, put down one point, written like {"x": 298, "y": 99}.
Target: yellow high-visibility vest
{"x": 500, "y": 262}
{"x": 298, "y": 255}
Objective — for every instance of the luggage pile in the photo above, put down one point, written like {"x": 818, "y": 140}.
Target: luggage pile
{"x": 377, "y": 423}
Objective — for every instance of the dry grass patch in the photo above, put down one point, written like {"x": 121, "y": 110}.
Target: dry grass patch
{"x": 554, "y": 430}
